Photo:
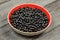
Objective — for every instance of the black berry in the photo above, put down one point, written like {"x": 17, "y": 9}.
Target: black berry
{"x": 29, "y": 19}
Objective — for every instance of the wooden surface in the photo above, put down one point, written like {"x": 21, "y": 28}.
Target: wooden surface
{"x": 52, "y": 33}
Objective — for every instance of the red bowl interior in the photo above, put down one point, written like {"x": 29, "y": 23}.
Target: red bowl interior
{"x": 31, "y": 6}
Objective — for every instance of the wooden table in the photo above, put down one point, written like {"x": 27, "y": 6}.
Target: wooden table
{"x": 52, "y": 33}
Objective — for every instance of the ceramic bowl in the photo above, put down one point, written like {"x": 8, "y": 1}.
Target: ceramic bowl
{"x": 31, "y": 6}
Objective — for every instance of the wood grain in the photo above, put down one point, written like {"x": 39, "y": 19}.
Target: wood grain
{"x": 52, "y": 33}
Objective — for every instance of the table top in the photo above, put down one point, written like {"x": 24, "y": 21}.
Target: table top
{"x": 52, "y": 33}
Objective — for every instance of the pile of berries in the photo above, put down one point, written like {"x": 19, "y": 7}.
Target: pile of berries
{"x": 28, "y": 19}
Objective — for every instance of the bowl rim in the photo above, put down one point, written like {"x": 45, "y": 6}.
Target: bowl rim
{"x": 29, "y": 32}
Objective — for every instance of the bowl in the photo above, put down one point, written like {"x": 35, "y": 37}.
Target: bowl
{"x": 31, "y": 6}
